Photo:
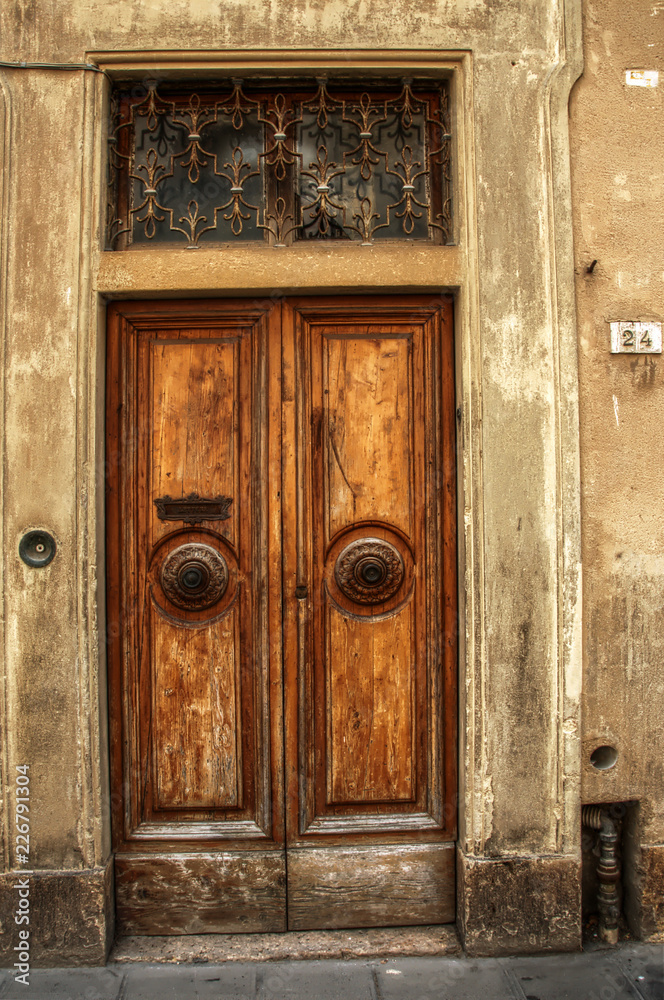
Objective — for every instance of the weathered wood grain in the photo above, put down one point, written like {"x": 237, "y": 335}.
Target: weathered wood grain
{"x": 370, "y": 682}
{"x": 194, "y": 421}
{"x": 195, "y": 714}
{"x": 200, "y": 893}
{"x": 367, "y": 427}
{"x": 370, "y": 886}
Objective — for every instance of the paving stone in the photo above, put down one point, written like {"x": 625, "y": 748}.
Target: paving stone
{"x": 632, "y": 972}
{"x": 441, "y": 979}
{"x": 199, "y": 982}
{"x": 331, "y": 980}
{"x": 645, "y": 966}
{"x": 594, "y": 976}
{"x": 65, "y": 984}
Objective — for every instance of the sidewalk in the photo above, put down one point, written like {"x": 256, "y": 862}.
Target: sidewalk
{"x": 629, "y": 972}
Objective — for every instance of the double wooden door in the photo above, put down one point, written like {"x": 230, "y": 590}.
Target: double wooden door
{"x": 281, "y": 613}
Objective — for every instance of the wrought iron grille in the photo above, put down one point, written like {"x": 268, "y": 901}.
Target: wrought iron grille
{"x": 321, "y": 160}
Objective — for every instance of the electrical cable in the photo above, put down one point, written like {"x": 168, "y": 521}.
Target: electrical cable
{"x": 42, "y": 65}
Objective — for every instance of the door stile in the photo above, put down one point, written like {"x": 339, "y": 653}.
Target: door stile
{"x": 446, "y": 423}
{"x": 295, "y": 572}
{"x": 115, "y": 542}
{"x": 274, "y": 522}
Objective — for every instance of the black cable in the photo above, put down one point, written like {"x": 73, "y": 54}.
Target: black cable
{"x": 42, "y": 65}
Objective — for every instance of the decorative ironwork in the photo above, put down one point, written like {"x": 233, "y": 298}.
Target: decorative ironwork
{"x": 369, "y": 571}
{"x": 316, "y": 160}
{"x": 193, "y": 509}
{"x": 194, "y": 577}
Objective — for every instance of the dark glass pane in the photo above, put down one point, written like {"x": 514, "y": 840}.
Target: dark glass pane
{"x": 400, "y": 190}
{"x": 363, "y": 175}
{"x": 206, "y": 190}
{"x": 325, "y": 189}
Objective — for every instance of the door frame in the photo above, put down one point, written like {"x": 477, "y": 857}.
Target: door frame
{"x": 448, "y": 525}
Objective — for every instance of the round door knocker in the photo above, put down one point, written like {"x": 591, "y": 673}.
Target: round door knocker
{"x": 194, "y": 577}
{"x": 37, "y": 548}
{"x": 369, "y": 571}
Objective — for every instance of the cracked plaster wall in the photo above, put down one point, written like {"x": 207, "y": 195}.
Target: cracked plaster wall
{"x": 516, "y": 389}
{"x": 617, "y": 144}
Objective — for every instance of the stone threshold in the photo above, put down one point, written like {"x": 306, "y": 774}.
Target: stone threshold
{"x": 383, "y": 942}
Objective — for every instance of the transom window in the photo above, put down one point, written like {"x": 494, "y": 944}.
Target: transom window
{"x": 318, "y": 160}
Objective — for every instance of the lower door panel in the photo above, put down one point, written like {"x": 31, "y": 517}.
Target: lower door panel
{"x": 371, "y": 886}
{"x": 200, "y": 893}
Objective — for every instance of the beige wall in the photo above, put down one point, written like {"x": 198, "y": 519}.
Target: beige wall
{"x": 617, "y": 144}
{"x": 514, "y": 63}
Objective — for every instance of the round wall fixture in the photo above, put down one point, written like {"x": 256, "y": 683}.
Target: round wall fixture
{"x": 369, "y": 570}
{"x": 194, "y": 576}
{"x": 604, "y": 758}
{"x": 37, "y": 548}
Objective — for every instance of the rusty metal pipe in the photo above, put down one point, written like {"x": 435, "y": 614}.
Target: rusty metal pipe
{"x": 608, "y": 871}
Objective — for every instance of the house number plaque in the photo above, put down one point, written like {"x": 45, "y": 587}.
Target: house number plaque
{"x": 636, "y": 338}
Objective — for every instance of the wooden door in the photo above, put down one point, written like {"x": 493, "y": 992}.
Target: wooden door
{"x": 370, "y": 611}
{"x": 193, "y": 550}
{"x": 281, "y": 613}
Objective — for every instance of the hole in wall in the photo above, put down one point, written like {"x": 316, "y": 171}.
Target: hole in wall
{"x": 603, "y": 758}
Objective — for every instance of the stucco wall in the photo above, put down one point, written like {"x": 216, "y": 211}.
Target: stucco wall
{"x": 617, "y": 145}
{"x": 520, "y": 673}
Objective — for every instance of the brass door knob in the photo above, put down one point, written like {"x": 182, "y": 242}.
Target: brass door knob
{"x": 194, "y": 576}
{"x": 369, "y": 570}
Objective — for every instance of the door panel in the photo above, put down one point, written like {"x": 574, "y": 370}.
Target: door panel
{"x": 281, "y": 607}
{"x": 367, "y": 655}
{"x": 195, "y": 668}
{"x": 370, "y": 745}
{"x": 195, "y": 695}
{"x": 196, "y": 444}
{"x": 371, "y": 886}
{"x": 365, "y": 381}
{"x": 202, "y": 893}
